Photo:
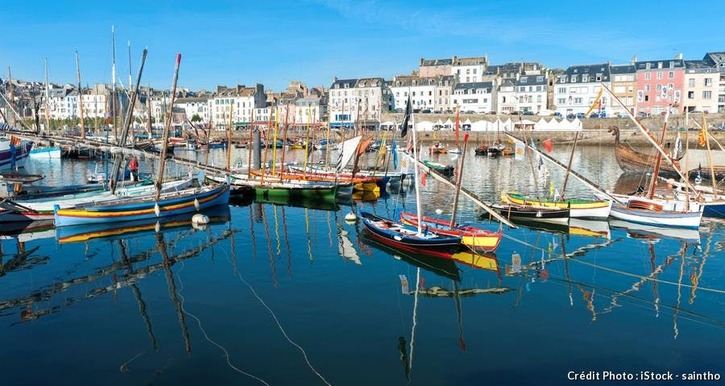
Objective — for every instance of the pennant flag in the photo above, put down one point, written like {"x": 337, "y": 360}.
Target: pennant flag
{"x": 548, "y": 145}
{"x": 406, "y": 118}
{"x": 423, "y": 178}
{"x": 14, "y": 141}
{"x": 404, "y": 284}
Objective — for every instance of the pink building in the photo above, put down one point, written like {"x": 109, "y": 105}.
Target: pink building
{"x": 659, "y": 83}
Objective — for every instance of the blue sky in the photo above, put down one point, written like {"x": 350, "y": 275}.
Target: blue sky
{"x": 273, "y": 42}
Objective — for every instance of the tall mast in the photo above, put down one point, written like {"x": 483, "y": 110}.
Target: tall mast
{"x": 113, "y": 81}
{"x": 10, "y": 91}
{"x": 130, "y": 79}
{"x": 167, "y": 129}
{"x": 80, "y": 96}
{"x": 658, "y": 160}
{"x": 47, "y": 98}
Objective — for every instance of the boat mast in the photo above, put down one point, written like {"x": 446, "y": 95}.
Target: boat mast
{"x": 80, "y": 96}
{"x": 47, "y": 98}
{"x": 286, "y": 127}
{"x": 568, "y": 167}
{"x": 459, "y": 182}
{"x": 658, "y": 159}
{"x": 167, "y": 129}
{"x": 709, "y": 157}
{"x": 113, "y": 82}
{"x": 127, "y": 124}
{"x": 10, "y": 92}
{"x": 417, "y": 176}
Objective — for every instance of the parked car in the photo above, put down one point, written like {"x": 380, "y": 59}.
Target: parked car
{"x": 643, "y": 114}
{"x": 557, "y": 114}
{"x": 581, "y": 115}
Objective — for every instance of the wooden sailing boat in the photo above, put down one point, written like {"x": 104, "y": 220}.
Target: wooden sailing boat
{"x": 476, "y": 238}
{"x": 578, "y": 207}
{"x": 394, "y": 234}
{"x": 647, "y": 209}
{"x": 151, "y": 205}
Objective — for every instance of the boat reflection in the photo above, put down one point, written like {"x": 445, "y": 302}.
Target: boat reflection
{"x": 304, "y": 202}
{"x": 77, "y": 233}
{"x": 440, "y": 266}
{"x": 573, "y": 227}
{"x": 23, "y": 257}
{"x": 643, "y": 231}
{"x": 111, "y": 276}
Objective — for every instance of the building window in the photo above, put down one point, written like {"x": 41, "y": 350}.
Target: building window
{"x": 708, "y": 82}
{"x": 691, "y": 82}
{"x": 647, "y": 75}
{"x": 671, "y": 75}
{"x": 690, "y": 95}
{"x": 706, "y": 94}
{"x": 659, "y": 74}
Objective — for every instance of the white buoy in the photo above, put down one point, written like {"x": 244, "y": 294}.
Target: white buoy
{"x": 200, "y": 219}
{"x": 439, "y": 212}
{"x": 350, "y": 217}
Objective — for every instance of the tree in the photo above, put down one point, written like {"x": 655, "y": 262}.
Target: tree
{"x": 195, "y": 118}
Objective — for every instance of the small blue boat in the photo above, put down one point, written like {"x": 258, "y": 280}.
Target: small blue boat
{"x": 144, "y": 207}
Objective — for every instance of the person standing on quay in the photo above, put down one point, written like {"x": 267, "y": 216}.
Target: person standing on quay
{"x": 133, "y": 167}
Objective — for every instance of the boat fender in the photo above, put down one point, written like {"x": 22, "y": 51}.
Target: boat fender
{"x": 200, "y": 219}
{"x": 398, "y": 238}
{"x": 538, "y": 213}
{"x": 157, "y": 210}
{"x": 196, "y": 203}
{"x": 157, "y": 227}
{"x": 350, "y": 217}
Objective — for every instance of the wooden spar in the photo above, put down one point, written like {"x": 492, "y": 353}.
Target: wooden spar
{"x": 249, "y": 147}
{"x": 658, "y": 159}
{"x": 127, "y": 124}
{"x": 284, "y": 140}
{"x": 468, "y": 194}
{"x": 578, "y": 176}
{"x": 275, "y": 127}
{"x": 114, "y": 97}
{"x": 568, "y": 167}
{"x": 709, "y": 157}
{"x": 80, "y": 96}
{"x": 167, "y": 129}
{"x": 229, "y": 139}
{"x": 651, "y": 139}
{"x": 459, "y": 182}
{"x": 47, "y": 98}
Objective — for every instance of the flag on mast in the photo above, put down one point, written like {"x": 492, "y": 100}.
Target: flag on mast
{"x": 406, "y": 119}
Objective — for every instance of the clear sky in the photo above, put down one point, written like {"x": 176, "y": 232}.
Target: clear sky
{"x": 229, "y": 42}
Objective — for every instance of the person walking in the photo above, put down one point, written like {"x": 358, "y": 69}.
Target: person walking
{"x": 133, "y": 167}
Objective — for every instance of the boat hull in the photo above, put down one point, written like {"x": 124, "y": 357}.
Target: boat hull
{"x": 664, "y": 218}
{"x": 45, "y": 153}
{"x": 472, "y": 237}
{"x": 13, "y": 157}
{"x": 397, "y": 236}
{"x": 579, "y": 208}
{"x": 146, "y": 207}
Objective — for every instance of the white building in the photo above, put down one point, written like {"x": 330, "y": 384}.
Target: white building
{"x": 576, "y": 90}
{"x": 358, "y": 102}
{"x": 474, "y": 97}
{"x": 531, "y": 92}
{"x": 701, "y": 87}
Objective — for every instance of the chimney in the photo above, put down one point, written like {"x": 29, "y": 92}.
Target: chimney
{"x": 679, "y": 56}
{"x": 634, "y": 59}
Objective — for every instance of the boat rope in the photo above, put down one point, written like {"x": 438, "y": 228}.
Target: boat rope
{"x": 124, "y": 366}
{"x": 522, "y": 242}
{"x": 203, "y": 331}
{"x": 281, "y": 329}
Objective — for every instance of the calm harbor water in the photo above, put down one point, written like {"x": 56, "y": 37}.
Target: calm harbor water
{"x": 286, "y": 295}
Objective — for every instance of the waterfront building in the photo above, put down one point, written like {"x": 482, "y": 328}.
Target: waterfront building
{"x": 430, "y": 68}
{"x": 194, "y": 106}
{"x": 473, "y": 97}
{"x": 700, "y": 87}
{"x": 235, "y": 105}
{"x": 358, "y": 102}
{"x": 531, "y": 91}
{"x": 717, "y": 60}
{"x": 576, "y": 90}
{"x": 427, "y": 94}
{"x": 469, "y": 70}
{"x": 623, "y": 86}
{"x": 659, "y": 83}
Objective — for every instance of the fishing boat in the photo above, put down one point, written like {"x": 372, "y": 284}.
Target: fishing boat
{"x": 51, "y": 152}
{"x": 438, "y": 148}
{"x": 14, "y": 152}
{"x": 149, "y": 206}
{"x": 420, "y": 240}
{"x": 399, "y": 236}
{"x": 275, "y": 187}
{"x": 578, "y": 207}
{"x": 646, "y": 208}
{"x": 471, "y": 236}
{"x": 70, "y": 234}
{"x": 541, "y": 214}
{"x": 446, "y": 170}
